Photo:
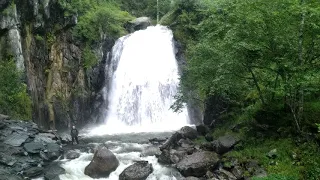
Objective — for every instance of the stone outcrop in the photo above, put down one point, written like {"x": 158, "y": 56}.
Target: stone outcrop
{"x": 24, "y": 151}
{"x": 138, "y": 171}
{"x": 103, "y": 163}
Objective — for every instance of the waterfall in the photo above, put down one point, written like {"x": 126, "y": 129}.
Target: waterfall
{"x": 144, "y": 78}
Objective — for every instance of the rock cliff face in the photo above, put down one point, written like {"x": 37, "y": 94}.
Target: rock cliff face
{"x": 39, "y": 37}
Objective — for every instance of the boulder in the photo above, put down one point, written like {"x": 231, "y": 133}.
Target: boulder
{"x": 150, "y": 151}
{"x": 16, "y": 139}
{"x": 202, "y": 129}
{"x": 191, "y": 178}
{"x": 139, "y": 24}
{"x": 156, "y": 141}
{"x": 45, "y": 138}
{"x": 72, "y": 154}
{"x": 188, "y": 132}
{"x": 138, "y": 171}
{"x": 33, "y": 147}
{"x": 103, "y": 163}
{"x": 53, "y": 151}
{"x": 33, "y": 172}
{"x": 272, "y": 154}
{"x": 4, "y": 117}
{"x": 7, "y": 160}
{"x": 198, "y": 163}
{"x": 172, "y": 141}
{"x": 53, "y": 171}
{"x": 185, "y": 143}
{"x": 224, "y": 144}
{"x": 164, "y": 157}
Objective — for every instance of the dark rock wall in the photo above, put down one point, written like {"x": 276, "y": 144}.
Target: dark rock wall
{"x": 63, "y": 92}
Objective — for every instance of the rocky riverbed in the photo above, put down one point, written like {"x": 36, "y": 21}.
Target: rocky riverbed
{"x": 26, "y": 152}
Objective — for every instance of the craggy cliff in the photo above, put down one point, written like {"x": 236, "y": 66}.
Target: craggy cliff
{"x": 38, "y": 35}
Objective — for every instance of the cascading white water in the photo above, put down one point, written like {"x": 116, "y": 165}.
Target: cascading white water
{"x": 144, "y": 82}
{"x": 143, "y": 78}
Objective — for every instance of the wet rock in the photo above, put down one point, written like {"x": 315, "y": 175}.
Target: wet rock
{"x": 72, "y": 154}
{"x": 224, "y": 144}
{"x": 150, "y": 151}
{"x": 45, "y": 138}
{"x": 188, "y": 132}
{"x": 172, "y": 141}
{"x": 53, "y": 151}
{"x": 139, "y": 24}
{"x": 16, "y": 139}
{"x": 33, "y": 147}
{"x": 33, "y": 172}
{"x": 138, "y": 171}
{"x": 208, "y": 137}
{"x": 7, "y": 160}
{"x": 156, "y": 141}
{"x": 191, "y": 178}
{"x": 103, "y": 163}
{"x": 202, "y": 129}
{"x": 185, "y": 143}
{"x": 198, "y": 163}
{"x": 4, "y": 117}
{"x": 65, "y": 138}
{"x": 53, "y": 171}
{"x": 209, "y": 175}
{"x": 164, "y": 157}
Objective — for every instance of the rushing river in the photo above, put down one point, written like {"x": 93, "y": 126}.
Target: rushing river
{"x": 128, "y": 148}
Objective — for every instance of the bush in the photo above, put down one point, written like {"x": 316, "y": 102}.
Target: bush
{"x": 14, "y": 100}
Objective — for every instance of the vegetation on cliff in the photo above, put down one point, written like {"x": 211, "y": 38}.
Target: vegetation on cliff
{"x": 14, "y": 99}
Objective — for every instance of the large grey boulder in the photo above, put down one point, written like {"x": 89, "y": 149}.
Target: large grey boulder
{"x": 16, "y": 139}
{"x": 198, "y": 163}
{"x": 188, "y": 132}
{"x": 103, "y": 163}
{"x": 172, "y": 141}
{"x": 7, "y": 160}
{"x": 53, "y": 171}
{"x": 72, "y": 154}
{"x": 53, "y": 151}
{"x": 139, "y": 24}
{"x": 224, "y": 144}
{"x": 2, "y": 116}
{"x": 138, "y": 171}
{"x": 33, "y": 172}
{"x": 33, "y": 147}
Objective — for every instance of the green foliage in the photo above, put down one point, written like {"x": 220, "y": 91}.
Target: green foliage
{"x": 97, "y": 18}
{"x": 88, "y": 57}
{"x": 148, "y": 8}
{"x": 275, "y": 177}
{"x": 14, "y": 99}
{"x": 252, "y": 51}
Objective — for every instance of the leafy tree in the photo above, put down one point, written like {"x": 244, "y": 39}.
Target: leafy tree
{"x": 256, "y": 51}
{"x": 14, "y": 99}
